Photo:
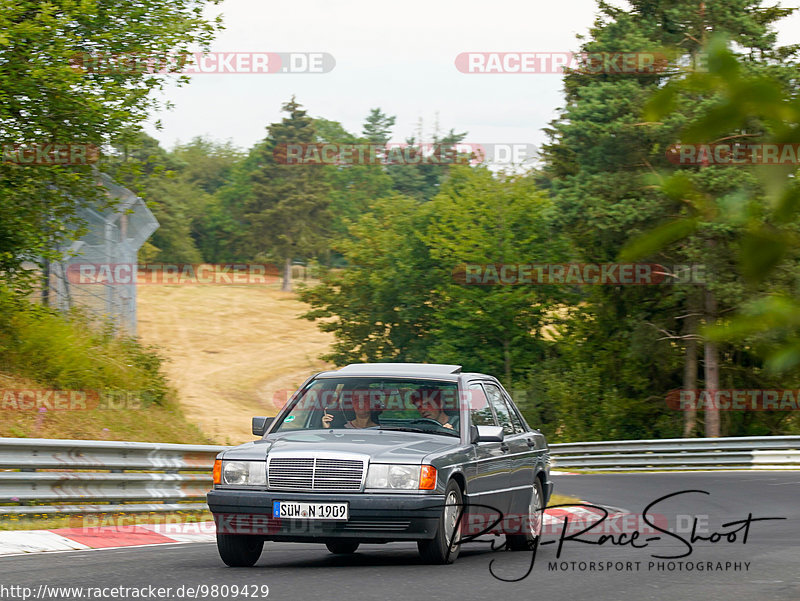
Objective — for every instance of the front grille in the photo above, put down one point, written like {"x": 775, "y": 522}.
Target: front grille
{"x": 315, "y": 473}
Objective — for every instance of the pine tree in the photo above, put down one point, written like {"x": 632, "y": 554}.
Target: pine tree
{"x": 288, "y": 209}
{"x": 378, "y": 127}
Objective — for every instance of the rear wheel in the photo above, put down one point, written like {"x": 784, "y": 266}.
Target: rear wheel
{"x": 532, "y": 525}
{"x": 239, "y": 550}
{"x": 444, "y": 547}
{"x": 342, "y": 547}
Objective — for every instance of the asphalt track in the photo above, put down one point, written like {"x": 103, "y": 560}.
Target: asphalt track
{"x": 385, "y": 572}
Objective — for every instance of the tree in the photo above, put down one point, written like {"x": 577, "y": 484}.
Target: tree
{"x": 422, "y": 178}
{"x": 401, "y": 299}
{"x": 179, "y": 186}
{"x": 287, "y": 213}
{"x": 603, "y": 160}
{"x": 378, "y": 127}
{"x": 761, "y": 105}
{"x": 485, "y": 219}
{"x": 49, "y": 95}
{"x": 378, "y": 307}
{"x": 352, "y": 186}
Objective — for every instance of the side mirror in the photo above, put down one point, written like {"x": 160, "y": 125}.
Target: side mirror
{"x": 261, "y": 425}
{"x": 487, "y": 434}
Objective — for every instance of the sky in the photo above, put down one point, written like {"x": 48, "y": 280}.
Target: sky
{"x": 399, "y": 57}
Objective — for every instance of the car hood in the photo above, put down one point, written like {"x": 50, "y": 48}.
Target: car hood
{"x": 382, "y": 446}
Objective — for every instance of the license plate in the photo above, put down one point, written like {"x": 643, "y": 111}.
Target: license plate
{"x": 298, "y": 510}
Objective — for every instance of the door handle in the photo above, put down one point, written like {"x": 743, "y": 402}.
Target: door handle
{"x": 531, "y": 443}
{"x": 504, "y": 447}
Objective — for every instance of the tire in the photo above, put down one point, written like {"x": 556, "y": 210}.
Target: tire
{"x": 528, "y": 540}
{"x": 239, "y": 550}
{"x": 435, "y": 551}
{"x": 342, "y": 547}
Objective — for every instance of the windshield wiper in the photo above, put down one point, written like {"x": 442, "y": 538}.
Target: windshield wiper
{"x": 402, "y": 429}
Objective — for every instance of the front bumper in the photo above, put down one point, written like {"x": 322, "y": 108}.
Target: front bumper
{"x": 373, "y": 516}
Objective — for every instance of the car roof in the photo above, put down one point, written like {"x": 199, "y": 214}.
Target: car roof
{"x": 409, "y": 370}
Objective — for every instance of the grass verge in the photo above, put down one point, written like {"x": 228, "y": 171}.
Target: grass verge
{"x": 118, "y": 520}
{"x": 556, "y": 499}
{"x": 131, "y": 421}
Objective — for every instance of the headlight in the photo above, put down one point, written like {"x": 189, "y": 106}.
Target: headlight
{"x": 400, "y": 477}
{"x": 244, "y": 473}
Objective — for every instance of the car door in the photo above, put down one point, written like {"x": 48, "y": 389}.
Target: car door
{"x": 520, "y": 455}
{"x": 488, "y": 471}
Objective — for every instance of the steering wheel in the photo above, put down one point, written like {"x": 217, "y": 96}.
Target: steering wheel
{"x": 426, "y": 420}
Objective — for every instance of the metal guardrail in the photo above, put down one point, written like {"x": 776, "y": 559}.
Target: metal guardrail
{"x": 745, "y": 452}
{"x": 41, "y": 476}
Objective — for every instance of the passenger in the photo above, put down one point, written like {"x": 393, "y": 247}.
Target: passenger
{"x": 332, "y": 414}
{"x": 364, "y": 416}
{"x": 429, "y": 405}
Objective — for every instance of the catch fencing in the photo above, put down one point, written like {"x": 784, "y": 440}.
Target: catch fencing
{"x": 114, "y": 237}
{"x": 54, "y": 477}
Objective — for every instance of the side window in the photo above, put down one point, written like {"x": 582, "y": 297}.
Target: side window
{"x": 479, "y": 410}
{"x": 515, "y": 420}
{"x": 500, "y": 408}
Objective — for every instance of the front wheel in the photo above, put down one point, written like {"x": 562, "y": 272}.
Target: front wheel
{"x": 532, "y": 525}
{"x": 444, "y": 547}
{"x": 239, "y": 550}
{"x": 342, "y": 547}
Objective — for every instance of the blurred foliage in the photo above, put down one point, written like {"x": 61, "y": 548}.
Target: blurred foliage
{"x": 763, "y": 215}
{"x": 612, "y": 180}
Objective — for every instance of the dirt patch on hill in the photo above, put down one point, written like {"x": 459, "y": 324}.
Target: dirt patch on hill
{"x": 230, "y": 350}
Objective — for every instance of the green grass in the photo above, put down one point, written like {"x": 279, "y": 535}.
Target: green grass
{"x": 72, "y": 352}
{"x": 556, "y": 499}
{"x": 129, "y": 397}
{"x": 120, "y": 520}
{"x": 164, "y": 422}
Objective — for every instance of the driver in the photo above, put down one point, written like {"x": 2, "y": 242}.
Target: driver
{"x": 429, "y": 404}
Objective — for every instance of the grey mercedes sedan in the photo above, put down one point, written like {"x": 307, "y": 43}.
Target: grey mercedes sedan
{"x": 382, "y": 452}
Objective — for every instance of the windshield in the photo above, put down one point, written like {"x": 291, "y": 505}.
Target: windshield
{"x": 377, "y": 403}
